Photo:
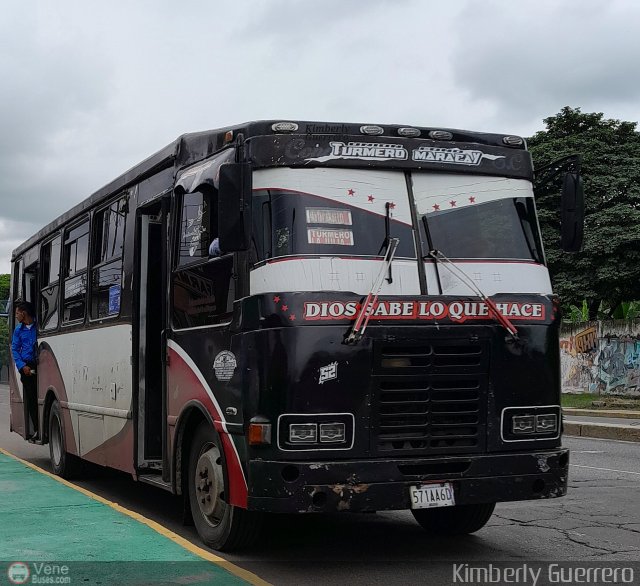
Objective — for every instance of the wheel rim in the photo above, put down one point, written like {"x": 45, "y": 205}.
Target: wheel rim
{"x": 209, "y": 483}
{"x": 56, "y": 441}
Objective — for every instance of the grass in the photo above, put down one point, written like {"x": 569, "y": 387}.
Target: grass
{"x": 585, "y": 401}
{"x": 579, "y": 401}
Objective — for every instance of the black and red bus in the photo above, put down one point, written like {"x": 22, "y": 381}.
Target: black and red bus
{"x": 306, "y": 317}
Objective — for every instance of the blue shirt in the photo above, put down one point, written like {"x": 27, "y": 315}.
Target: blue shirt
{"x": 23, "y": 344}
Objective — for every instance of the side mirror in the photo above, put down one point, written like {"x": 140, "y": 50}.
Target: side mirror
{"x": 234, "y": 207}
{"x": 572, "y": 226}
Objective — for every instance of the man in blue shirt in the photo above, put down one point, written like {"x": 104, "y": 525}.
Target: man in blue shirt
{"x": 23, "y": 348}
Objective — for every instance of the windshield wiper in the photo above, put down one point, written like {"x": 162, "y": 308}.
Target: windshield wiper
{"x": 364, "y": 315}
{"x": 387, "y": 236}
{"x": 467, "y": 280}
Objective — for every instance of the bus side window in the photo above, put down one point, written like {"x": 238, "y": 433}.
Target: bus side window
{"x": 106, "y": 259}
{"x": 17, "y": 280}
{"x": 261, "y": 235}
{"x": 203, "y": 287}
{"x": 50, "y": 279}
{"x": 76, "y": 253}
{"x": 196, "y": 230}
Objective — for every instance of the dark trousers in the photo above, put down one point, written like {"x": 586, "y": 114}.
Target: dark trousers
{"x": 30, "y": 386}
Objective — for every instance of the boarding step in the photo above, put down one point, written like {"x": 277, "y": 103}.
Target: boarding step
{"x": 155, "y": 480}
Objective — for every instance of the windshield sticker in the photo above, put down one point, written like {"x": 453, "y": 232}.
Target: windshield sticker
{"x": 225, "y": 365}
{"x": 364, "y": 150}
{"x": 456, "y": 311}
{"x": 328, "y": 372}
{"x": 454, "y": 156}
{"x": 328, "y": 236}
{"x": 193, "y": 231}
{"x": 328, "y": 216}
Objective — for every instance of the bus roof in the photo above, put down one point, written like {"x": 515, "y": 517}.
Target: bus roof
{"x": 192, "y": 147}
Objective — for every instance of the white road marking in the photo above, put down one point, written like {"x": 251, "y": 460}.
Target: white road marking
{"x": 587, "y": 452}
{"x": 605, "y": 469}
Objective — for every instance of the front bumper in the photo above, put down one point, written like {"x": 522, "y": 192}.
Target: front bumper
{"x": 377, "y": 485}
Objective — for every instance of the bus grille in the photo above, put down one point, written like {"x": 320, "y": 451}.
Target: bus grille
{"x": 431, "y": 399}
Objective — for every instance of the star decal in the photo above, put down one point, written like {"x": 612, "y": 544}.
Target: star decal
{"x": 453, "y": 203}
{"x": 276, "y": 299}
{"x": 371, "y": 198}
{"x": 436, "y": 207}
{"x": 472, "y": 199}
{"x": 292, "y": 317}
{"x": 350, "y": 192}
{"x": 285, "y": 308}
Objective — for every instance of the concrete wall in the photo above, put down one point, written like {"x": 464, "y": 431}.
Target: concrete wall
{"x": 601, "y": 357}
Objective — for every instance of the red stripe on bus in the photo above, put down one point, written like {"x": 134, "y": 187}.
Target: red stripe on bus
{"x": 178, "y": 368}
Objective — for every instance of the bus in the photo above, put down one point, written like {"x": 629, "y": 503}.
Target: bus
{"x": 306, "y": 317}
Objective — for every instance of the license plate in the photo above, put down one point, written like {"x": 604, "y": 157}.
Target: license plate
{"x": 427, "y": 496}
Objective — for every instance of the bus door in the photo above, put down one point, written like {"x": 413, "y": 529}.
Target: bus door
{"x": 16, "y": 392}
{"x": 25, "y": 288}
{"x": 150, "y": 324}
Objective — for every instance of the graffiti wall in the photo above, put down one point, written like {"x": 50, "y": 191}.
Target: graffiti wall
{"x": 601, "y": 357}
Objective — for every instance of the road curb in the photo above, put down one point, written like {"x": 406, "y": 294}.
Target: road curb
{"x": 619, "y": 413}
{"x": 612, "y": 431}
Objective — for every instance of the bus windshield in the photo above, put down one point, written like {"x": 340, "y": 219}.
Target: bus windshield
{"x": 336, "y": 212}
{"x": 474, "y": 217}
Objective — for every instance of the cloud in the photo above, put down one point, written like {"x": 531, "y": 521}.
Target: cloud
{"x": 88, "y": 90}
{"x": 530, "y": 60}
{"x": 12, "y": 233}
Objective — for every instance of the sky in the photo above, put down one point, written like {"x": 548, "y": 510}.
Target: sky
{"x": 88, "y": 89}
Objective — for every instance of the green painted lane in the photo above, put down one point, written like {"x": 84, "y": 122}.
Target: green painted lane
{"x": 43, "y": 520}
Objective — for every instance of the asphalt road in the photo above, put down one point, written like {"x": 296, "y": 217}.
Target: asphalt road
{"x": 599, "y": 520}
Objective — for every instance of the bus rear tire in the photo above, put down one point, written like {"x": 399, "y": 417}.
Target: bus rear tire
{"x": 62, "y": 463}
{"x": 458, "y": 520}
{"x": 220, "y": 525}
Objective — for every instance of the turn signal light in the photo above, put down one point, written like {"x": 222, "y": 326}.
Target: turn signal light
{"x": 259, "y": 434}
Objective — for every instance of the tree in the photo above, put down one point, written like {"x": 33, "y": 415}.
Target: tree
{"x": 4, "y": 286}
{"x": 5, "y": 340}
{"x": 608, "y": 267}
{"x": 4, "y": 327}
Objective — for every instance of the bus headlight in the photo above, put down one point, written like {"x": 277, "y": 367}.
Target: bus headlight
{"x": 332, "y": 432}
{"x": 316, "y": 431}
{"x": 547, "y": 423}
{"x": 523, "y": 424}
{"x": 303, "y": 433}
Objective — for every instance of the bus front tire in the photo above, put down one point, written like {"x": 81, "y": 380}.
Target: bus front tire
{"x": 458, "y": 520}
{"x": 220, "y": 525}
{"x": 62, "y": 463}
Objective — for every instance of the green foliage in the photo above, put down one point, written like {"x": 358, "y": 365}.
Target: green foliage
{"x": 579, "y": 401}
{"x": 624, "y": 310}
{"x": 608, "y": 267}
{"x": 5, "y": 341}
{"x": 4, "y": 286}
{"x": 578, "y": 314}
